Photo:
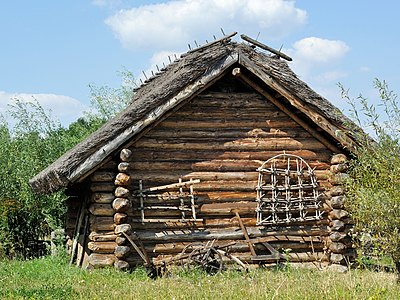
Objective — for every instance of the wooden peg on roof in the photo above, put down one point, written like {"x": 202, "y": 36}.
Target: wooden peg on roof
{"x": 265, "y": 47}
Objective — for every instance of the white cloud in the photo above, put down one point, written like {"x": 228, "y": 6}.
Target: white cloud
{"x": 317, "y": 59}
{"x": 365, "y": 69}
{"x": 64, "y": 108}
{"x": 319, "y": 50}
{"x": 330, "y": 76}
{"x": 175, "y": 23}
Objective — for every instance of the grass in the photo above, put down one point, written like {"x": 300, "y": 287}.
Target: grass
{"x": 52, "y": 278}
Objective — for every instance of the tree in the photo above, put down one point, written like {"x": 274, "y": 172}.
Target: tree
{"x": 373, "y": 187}
{"x": 29, "y": 146}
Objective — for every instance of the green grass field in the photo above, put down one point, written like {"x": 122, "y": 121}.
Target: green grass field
{"x": 52, "y": 278}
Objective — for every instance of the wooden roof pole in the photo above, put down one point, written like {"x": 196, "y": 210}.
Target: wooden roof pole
{"x": 237, "y": 73}
{"x": 265, "y": 47}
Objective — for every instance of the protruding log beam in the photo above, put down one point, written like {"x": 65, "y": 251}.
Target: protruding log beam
{"x": 121, "y": 265}
{"x": 122, "y": 251}
{"x": 124, "y": 166}
{"x": 265, "y": 47}
{"x": 120, "y": 218}
{"x": 122, "y": 179}
{"x": 121, "y": 192}
{"x": 123, "y": 228}
{"x": 125, "y": 155}
{"x": 338, "y": 159}
{"x": 121, "y": 204}
{"x": 98, "y": 260}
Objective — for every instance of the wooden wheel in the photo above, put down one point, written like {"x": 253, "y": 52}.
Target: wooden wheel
{"x": 210, "y": 260}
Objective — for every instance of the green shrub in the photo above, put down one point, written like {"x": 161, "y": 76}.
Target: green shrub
{"x": 373, "y": 187}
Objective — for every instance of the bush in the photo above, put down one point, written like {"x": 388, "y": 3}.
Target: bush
{"x": 29, "y": 146}
{"x": 373, "y": 187}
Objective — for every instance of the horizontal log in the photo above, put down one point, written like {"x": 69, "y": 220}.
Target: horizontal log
{"x": 233, "y": 123}
{"x": 102, "y": 197}
{"x": 217, "y": 177}
{"x": 232, "y": 234}
{"x": 97, "y": 260}
{"x": 279, "y": 242}
{"x": 109, "y": 165}
{"x": 100, "y": 209}
{"x": 233, "y": 100}
{"x": 228, "y": 208}
{"x": 202, "y": 155}
{"x": 245, "y": 144}
{"x": 247, "y": 257}
{"x": 102, "y": 247}
{"x": 103, "y": 176}
{"x": 100, "y": 236}
{"x": 104, "y": 187}
{"x": 101, "y": 223}
{"x": 212, "y": 165}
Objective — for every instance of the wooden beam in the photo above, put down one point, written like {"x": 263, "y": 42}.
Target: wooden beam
{"x": 265, "y": 47}
{"x": 282, "y": 107}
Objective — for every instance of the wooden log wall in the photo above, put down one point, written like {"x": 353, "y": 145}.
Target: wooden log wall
{"x": 220, "y": 138}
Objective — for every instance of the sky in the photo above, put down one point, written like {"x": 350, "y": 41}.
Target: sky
{"x": 53, "y": 50}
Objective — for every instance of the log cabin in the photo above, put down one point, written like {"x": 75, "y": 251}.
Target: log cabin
{"x": 225, "y": 145}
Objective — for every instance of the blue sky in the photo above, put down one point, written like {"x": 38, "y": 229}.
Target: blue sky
{"x": 52, "y": 50}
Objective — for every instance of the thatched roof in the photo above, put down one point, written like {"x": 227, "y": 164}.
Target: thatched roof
{"x": 182, "y": 79}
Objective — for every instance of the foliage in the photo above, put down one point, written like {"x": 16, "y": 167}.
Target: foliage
{"x": 373, "y": 187}
{"x": 53, "y": 278}
{"x": 106, "y": 102}
{"x": 33, "y": 142}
